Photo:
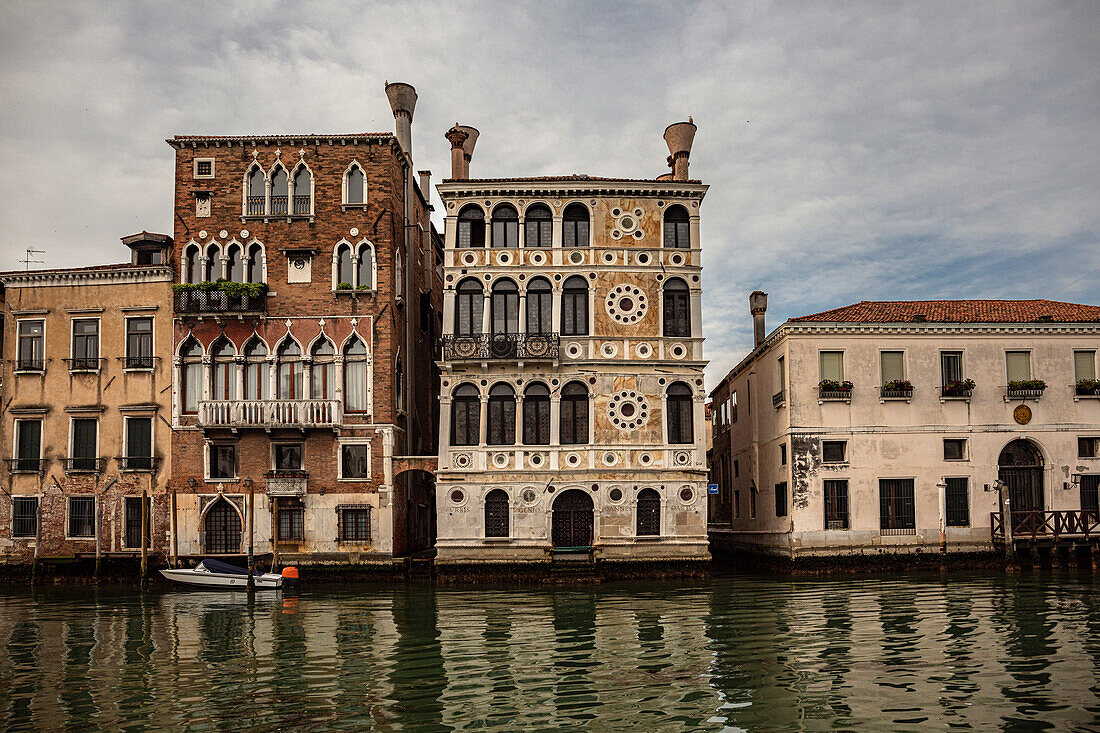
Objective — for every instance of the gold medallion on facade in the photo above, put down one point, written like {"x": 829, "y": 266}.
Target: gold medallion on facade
{"x": 1022, "y": 414}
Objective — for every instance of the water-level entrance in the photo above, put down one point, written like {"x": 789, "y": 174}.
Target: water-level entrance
{"x": 572, "y": 520}
{"x": 1021, "y": 470}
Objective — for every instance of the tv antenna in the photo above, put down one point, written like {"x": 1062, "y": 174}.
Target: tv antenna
{"x": 30, "y": 259}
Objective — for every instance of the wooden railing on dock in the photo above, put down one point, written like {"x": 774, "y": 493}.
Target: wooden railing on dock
{"x": 1071, "y": 523}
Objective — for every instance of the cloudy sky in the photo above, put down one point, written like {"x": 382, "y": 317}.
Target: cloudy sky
{"x": 855, "y": 151}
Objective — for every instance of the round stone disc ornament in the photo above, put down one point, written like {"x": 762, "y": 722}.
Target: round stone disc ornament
{"x": 628, "y": 410}
{"x": 626, "y": 303}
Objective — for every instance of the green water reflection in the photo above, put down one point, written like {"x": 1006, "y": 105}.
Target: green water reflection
{"x": 743, "y": 652}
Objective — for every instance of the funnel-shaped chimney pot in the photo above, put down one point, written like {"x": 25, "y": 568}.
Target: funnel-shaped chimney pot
{"x": 679, "y": 137}
{"x": 402, "y": 98}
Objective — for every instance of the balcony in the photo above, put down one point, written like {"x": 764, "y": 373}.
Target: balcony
{"x": 26, "y": 465}
{"x": 514, "y": 346}
{"x": 957, "y": 390}
{"x": 217, "y": 302}
{"x": 84, "y": 464}
{"x": 255, "y": 206}
{"x": 85, "y": 363}
{"x": 134, "y": 464}
{"x": 895, "y": 394}
{"x": 270, "y": 413}
{"x": 286, "y": 483}
{"x": 1031, "y": 389}
{"x": 779, "y": 399}
{"x": 30, "y": 364}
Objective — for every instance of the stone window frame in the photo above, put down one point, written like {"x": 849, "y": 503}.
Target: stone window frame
{"x": 340, "y": 443}
{"x": 344, "y": 187}
{"x": 195, "y": 168}
{"x": 69, "y": 536}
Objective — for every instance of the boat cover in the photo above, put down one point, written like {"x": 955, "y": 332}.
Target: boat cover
{"x": 217, "y": 566}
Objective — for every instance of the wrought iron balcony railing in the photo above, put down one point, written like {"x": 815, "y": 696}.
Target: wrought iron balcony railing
{"x": 144, "y": 361}
{"x": 85, "y": 363}
{"x": 26, "y": 465}
{"x": 138, "y": 463}
{"x": 779, "y": 398}
{"x": 301, "y": 205}
{"x": 1023, "y": 394}
{"x": 84, "y": 464}
{"x": 895, "y": 394}
{"x": 484, "y": 346}
{"x": 217, "y": 302}
{"x": 30, "y": 364}
{"x": 278, "y": 205}
{"x": 270, "y": 413}
{"x": 835, "y": 395}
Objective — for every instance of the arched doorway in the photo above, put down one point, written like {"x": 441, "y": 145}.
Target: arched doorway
{"x": 1021, "y": 471}
{"x": 222, "y": 529}
{"x": 571, "y": 520}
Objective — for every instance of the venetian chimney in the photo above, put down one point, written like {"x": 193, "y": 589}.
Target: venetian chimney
{"x": 457, "y": 137}
{"x": 403, "y": 101}
{"x": 679, "y": 136}
{"x": 758, "y": 305}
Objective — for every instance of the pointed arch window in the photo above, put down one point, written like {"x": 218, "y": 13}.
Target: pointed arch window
{"x": 290, "y": 375}
{"x": 322, "y": 378}
{"x": 280, "y": 192}
{"x": 677, "y": 309}
{"x": 344, "y": 271}
{"x": 355, "y": 186}
{"x": 192, "y": 266}
{"x": 466, "y": 416}
{"x": 469, "y": 303}
{"x": 540, "y": 306}
{"x": 364, "y": 267}
{"x": 502, "y": 415}
{"x": 254, "y": 203}
{"x": 496, "y": 513}
{"x": 211, "y": 264}
{"x": 677, "y": 234}
{"x": 504, "y": 308}
{"x": 678, "y": 405}
{"x": 356, "y": 376}
{"x": 574, "y": 307}
{"x": 255, "y": 370}
{"x": 254, "y": 264}
{"x": 538, "y": 226}
{"x": 303, "y": 191}
{"x": 191, "y": 374}
{"x": 505, "y": 226}
{"x": 536, "y": 415}
{"x": 574, "y": 414}
{"x": 234, "y": 264}
{"x": 575, "y": 226}
{"x": 649, "y": 513}
{"x": 225, "y": 370}
{"x": 471, "y": 227}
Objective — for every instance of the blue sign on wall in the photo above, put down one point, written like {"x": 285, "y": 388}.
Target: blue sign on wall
{"x": 712, "y": 488}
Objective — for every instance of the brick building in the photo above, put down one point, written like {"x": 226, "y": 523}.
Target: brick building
{"x": 86, "y": 404}
{"x": 305, "y": 315}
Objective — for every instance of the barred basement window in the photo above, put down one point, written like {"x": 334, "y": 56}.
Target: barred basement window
{"x": 354, "y": 523}
{"x": 897, "y": 511}
{"x": 81, "y": 516}
{"x": 781, "y": 499}
{"x": 24, "y": 516}
{"x": 836, "y": 504}
{"x": 649, "y": 513}
{"x": 957, "y": 500}
{"x": 291, "y": 524}
{"x": 1090, "y": 493}
{"x": 496, "y": 513}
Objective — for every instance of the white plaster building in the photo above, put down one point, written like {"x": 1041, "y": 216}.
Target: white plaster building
{"x": 901, "y": 451}
{"x": 572, "y": 392}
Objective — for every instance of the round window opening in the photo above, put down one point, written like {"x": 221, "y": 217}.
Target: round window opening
{"x": 686, "y": 494}
{"x": 457, "y": 496}
{"x": 616, "y": 495}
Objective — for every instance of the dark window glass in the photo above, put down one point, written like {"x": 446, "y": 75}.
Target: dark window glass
{"x": 574, "y": 414}
{"x": 956, "y": 498}
{"x": 680, "y": 414}
{"x": 783, "y": 454}
{"x": 836, "y": 504}
{"x": 288, "y": 456}
{"x": 139, "y": 443}
{"x": 223, "y": 461}
{"x": 540, "y": 306}
{"x": 204, "y": 167}
{"x": 504, "y": 307}
{"x": 234, "y": 265}
{"x": 781, "y": 499}
{"x": 82, "y": 516}
{"x": 834, "y": 451}
{"x": 574, "y": 307}
{"x": 1090, "y": 493}
{"x": 466, "y": 416}
{"x": 28, "y": 445}
{"x": 951, "y": 366}
{"x": 649, "y": 513}
{"x": 538, "y": 227}
{"x": 343, "y": 265}
{"x": 364, "y": 270}
{"x": 354, "y": 524}
{"x": 575, "y": 226}
{"x": 150, "y": 257}
{"x": 536, "y": 415}
{"x": 677, "y": 228}
{"x": 355, "y": 185}
{"x": 496, "y": 513}
{"x": 354, "y": 461}
{"x": 1086, "y": 447}
{"x": 468, "y": 307}
{"x": 32, "y": 354}
{"x": 505, "y": 226}
{"x": 84, "y": 453}
{"x": 302, "y": 193}
{"x": 139, "y": 343}
{"x": 736, "y": 469}
{"x": 24, "y": 516}
{"x": 85, "y": 343}
{"x": 291, "y": 523}
{"x": 502, "y": 416}
{"x": 677, "y": 313}
{"x": 280, "y": 189}
{"x": 471, "y": 228}
{"x": 256, "y": 195}
{"x": 254, "y": 270}
{"x": 954, "y": 449}
{"x": 896, "y": 506}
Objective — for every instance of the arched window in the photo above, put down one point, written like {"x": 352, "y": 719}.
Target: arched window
{"x": 356, "y": 376}
{"x": 355, "y": 191}
{"x": 255, "y": 370}
{"x": 505, "y": 226}
{"x": 466, "y": 416}
{"x": 502, "y": 415}
{"x": 290, "y": 375}
{"x": 471, "y": 227}
{"x": 469, "y": 303}
{"x": 496, "y": 513}
{"x": 540, "y": 306}
{"x": 536, "y": 414}
{"x": 538, "y": 226}
{"x": 280, "y": 190}
{"x": 574, "y": 307}
{"x": 192, "y": 267}
{"x": 678, "y": 404}
{"x": 211, "y": 264}
{"x": 575, "y": 226}
{"x": 254, "y": 265}
{"x": 225, "y": 370}
{"x": 364, "y": 268}
{"x": 504, "y": 308}
{"x": 677, "y": 308}
{"x": 322, "y": 377}
{"x": 256, "y": 193}
{"x": 649, "y": 513}
{"x": 191, "y": 373}
{"x": 234, "y": 264}
{"x": 574, "y": 414}
{"x": 303, "y": 187}
{"x": 677, "y": 228}
{"x": 343, "y": 265}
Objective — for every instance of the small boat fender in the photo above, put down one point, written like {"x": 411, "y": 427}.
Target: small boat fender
{"x": 290, "y": 576}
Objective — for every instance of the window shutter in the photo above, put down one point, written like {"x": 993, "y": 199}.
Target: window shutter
{"x": 893, "y": 366}
{"x": 832, "y": 365}
{"x": 1084, "y": 365}
{"x": 1019, "y": 365}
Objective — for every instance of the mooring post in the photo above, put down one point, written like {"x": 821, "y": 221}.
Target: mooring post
{"x": 251, "y": 504}
{"x": 175, "y": 530}
{"x": 1006, "y": 522}
{"x": 37, "y": 537}
{"x": 275, "y": 533}
{"x": 98, "y": 513}
{"x": 144, "y": 539}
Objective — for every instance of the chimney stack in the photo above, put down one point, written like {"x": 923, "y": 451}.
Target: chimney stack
{"x": 679, "y": 137}
{"x": 462, "y": 139}
{"x": 425, "y": 184}
{"x": 758, "y": 304}
{"x": 468, "y": 148}
{"x": 403, "y": 101}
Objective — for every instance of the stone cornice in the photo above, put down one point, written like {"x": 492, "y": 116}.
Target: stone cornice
{"x": 449, "y": 190}
{"x": 60, "y": 278}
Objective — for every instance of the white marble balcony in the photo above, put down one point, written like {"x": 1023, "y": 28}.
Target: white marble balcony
{"x": 270, "y": 413}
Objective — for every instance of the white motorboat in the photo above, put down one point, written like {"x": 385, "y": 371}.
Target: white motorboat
{"x": 217, "y": 575}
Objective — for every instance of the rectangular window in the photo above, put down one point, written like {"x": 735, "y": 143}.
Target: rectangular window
{"x": 736, "y": 469}
{"x": 85, "y": 343}
{"x": 139, "y": 343}
{"x": 355, "y": 461}
{"x": 836, "y": 504}
{"x": 752, "y": 502}
{"x": 354, "y": 523}
{"x": 1084, "y": 365}
{"x": 133, "y": 522}
{"x": 956, "y": 499}
{"x": 139, "y": 444}
{"x": 81, "y": 516}
{"x": 24, "y": 516}
{"x": 1018, "y": 365}
{"x": 291, "y": 523}
{"x": 893, "y": 366}
{"x": 1088, "y": 447}
{"x": 737, "y": 503}
{"x": 28, "y": 445}
{"x": 834, "y": 451}
{"x": 781, "y": 499}
{"x": 733, "y": 407}
{"x": 951, "y": 366}
{"x": 897, "y": 510}
{"x": 223, "y": 461}
{"x": 287, "y": 456}
{"x": 783, "y": 455}
{"x": 781, "y": 373}
{"x": 954, "y": 449}
{"x": 1090, "y": 493}
{"x": 32, "y": 346}
{"x": 85, "y": 453}
{"x": 832, "y": 365}
{"x": 152, "y": 256}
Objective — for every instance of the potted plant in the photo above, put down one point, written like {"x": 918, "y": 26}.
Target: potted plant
{"x": 958, "y": 388}
{"x": 832, "y": 385}
{"x": 1026, "y": 385}
{"x": 1088, "y": 386}
{"x": 898, "y": 385}
{"x": 343, "y": 286}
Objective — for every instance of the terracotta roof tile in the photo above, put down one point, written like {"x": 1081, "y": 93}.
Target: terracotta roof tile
{"x": 957, "y": 311}
{"x": 89, "y": 268}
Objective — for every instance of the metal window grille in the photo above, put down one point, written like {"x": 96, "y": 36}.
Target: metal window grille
{"x": 836, "y": 504}
{"x": 1090, "y": 493}
{"x": 354, "y": 523}
{"x": 496, "y": 514}
{"x": 649, "y": 513}
{"x": 897, "y": 511}
{"x": 572, "y": 520}
{"x": 223, "y": 529}
{"x": 133, "y": 522}
{"x": 957, "y": 502}
{"x": 291, "y": 524}
{"x": 82, "y": 516}
{"x": 781, "y": 499}
{"x": 24, "y": 516}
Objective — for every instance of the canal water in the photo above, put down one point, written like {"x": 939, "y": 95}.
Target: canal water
{"x": 742, "y": 652}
